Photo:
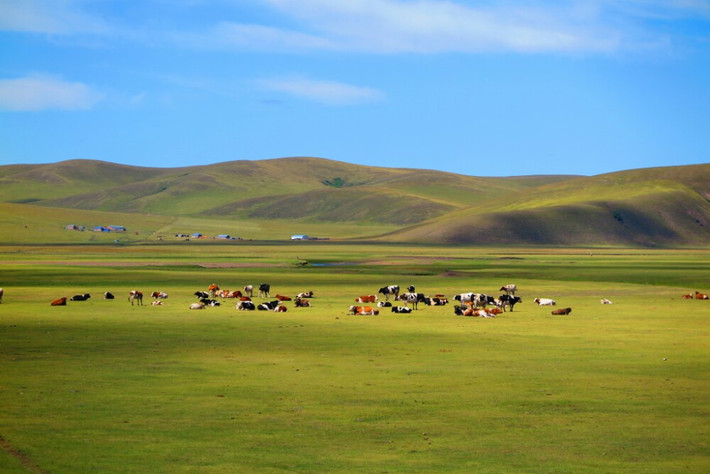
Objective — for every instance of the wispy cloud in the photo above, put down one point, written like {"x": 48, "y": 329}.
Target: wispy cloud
{"x": 42, "y": 93}
{"x": 324, "y": 92}
{"x": 370, "y": 26}
{"x": 49, "y": 16}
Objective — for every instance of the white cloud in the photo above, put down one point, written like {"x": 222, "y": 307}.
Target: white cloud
{"x": 43, "y": 93}
{"x": 324, "y": 92}
{"x": 430, "y": 26}
{"x": 48, "y": 16}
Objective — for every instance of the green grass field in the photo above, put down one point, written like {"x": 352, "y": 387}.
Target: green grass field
{"x": 103, "y": 386}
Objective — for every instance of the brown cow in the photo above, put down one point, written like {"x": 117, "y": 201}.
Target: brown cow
{"x": 562, "y": 311}
{"x": 687, "y": 297}
{"x": 282, "y": 297}
{"x": 366, "y": 299}
{"x": 700, "y": 296}
{"x": 302, "y": 303}
{"x": 60, "y": 302}
{"x": 363, "y": 311}
{"x": 213, "y": 288}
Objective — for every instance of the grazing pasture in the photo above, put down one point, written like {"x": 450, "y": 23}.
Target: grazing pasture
{"x": 103, "y": 386}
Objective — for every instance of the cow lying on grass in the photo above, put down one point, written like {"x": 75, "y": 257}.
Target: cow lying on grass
{"x": 562, "y": 311}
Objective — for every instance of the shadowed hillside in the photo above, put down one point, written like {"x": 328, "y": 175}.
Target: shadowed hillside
{"x": 649, "y": 207}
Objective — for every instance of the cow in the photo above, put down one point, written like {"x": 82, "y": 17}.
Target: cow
{"x": 465, "y": 297}
{"x": 509, "y": 289}
{"x": 700, "y": 296}
{"x": 135, "y": 295}
{"x": 482, "y": 300}
{"x": 301, "y": 303}
{"x": 197, "y": 306}
{"x": 201, "y": 294}
{"x": 605, "y": 301}
{"x": 209, "y": 302}
{"x": 305, "y": 294}
{"x": 475, "y": 312}
{"x": 562, "y": 311}
{"x": 59, "y": 301}
{"x": 157, "y": 303}
{"x": 411, "y": 289}
{"x": 436, "y": 301}
{"x": 83, "y": 297}
{"x": 282, "y": 297}
{"x": 235, "y": 294}
{"x": 689, "y": 296}
{"x": 384, "y": 304}
{"x": 412, "y": 298}
{"x": 108, "y": 295}
{"x": 401, "y": 309}
{"x": 249, "y": 290}
{"x": 366, "y": 299}
{"x": 246, "y": 306}
{"x": 363, "y": 311}
{"x": 264, "y": 290}
{"x": 1, "y": 292}
{"x": 280, "y": 308}
{"x": 268, "y": 306}
{"x": 213, "y": 288}
{"x": 509, "y": 301}
{"x": 545, "y": 302}
{"x": 389, "y": 290}
{"x": 159, "y": 295}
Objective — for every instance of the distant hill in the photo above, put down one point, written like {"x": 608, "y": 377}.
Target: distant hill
{"x": 655, "y": 206}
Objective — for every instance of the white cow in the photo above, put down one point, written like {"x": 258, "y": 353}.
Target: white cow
{"x": 545, "y": 302}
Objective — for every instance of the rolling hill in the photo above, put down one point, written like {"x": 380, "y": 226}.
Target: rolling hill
{"x": 648, "y": 207}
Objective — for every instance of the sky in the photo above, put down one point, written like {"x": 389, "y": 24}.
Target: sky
{"x": 481, "y": 88}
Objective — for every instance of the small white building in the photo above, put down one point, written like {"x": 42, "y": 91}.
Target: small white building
{"x": 300, "y": 237}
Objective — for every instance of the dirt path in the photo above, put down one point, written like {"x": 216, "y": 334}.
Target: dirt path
{"x": 25, "y": 460}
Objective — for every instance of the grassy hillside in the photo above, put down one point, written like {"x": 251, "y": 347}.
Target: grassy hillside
{"x": 662, "y": 206}
{"x": 656, "y": 206}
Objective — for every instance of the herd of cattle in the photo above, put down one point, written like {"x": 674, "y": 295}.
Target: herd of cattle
{"x": 469, "y": 304}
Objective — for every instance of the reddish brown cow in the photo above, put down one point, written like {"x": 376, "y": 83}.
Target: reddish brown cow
{"x": 60, "y": 302}
{"x": 700, "y": 296}
{"x": 363, "y": 311}
{"x": 283, "y": 298}
{"x": 562, "y": 311}
{"x": 366, "y": 299}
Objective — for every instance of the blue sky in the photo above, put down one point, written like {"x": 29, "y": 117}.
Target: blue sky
{"x": 483, "y": 88}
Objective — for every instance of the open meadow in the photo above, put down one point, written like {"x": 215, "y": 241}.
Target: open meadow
{"x": 104, "y": 386}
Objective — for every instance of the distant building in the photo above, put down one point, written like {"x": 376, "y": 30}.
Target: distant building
{"x": 196, "y": 235}
{"x": 116, "y": 228}
{"x": 100, "y": 228}
{"x": 300, "y": 237}
{"x": 223, "y": 236}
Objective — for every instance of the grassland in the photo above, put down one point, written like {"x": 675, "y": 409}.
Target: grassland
{"x": 106, "y": 387}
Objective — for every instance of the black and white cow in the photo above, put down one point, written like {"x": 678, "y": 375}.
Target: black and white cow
{"x": 83, "y": 297}
{"x": 509, "y": 301}
{"x": 202, "y": 294}
{"x": 389, "y": 290}
{"x": 401, "y": 309}
{"x": 412, "y": 298}
{"x": 108, "y": 295}
{"x": 268, "y": 306}
{"x": 246, "y": 306}
{"x": 264, "y": 290}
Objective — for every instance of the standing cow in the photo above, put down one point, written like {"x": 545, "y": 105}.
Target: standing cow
{"x": 137, "y": 296}
{"x": 389, "y": 290}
